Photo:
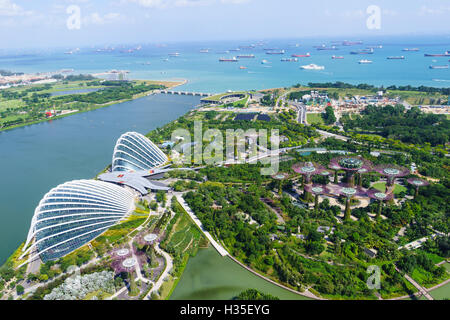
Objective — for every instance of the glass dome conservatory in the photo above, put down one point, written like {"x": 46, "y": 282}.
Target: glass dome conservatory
{"x": 74, "y": 213}
{"x": 135, "y": 152}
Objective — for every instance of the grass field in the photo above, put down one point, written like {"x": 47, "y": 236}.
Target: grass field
{"x": 382, "y": 187}
{"x": 312, "y": 118}
{"x": 418, "y": 98}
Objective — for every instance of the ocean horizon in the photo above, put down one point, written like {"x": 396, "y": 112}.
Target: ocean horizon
{"x": 205, "y": 73}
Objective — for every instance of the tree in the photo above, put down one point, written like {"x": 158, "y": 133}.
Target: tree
{"x": 329, "y": 117}
{"x": 20, "y": 290}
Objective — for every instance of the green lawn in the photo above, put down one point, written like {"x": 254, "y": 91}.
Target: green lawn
{"x": 382, "y": 187}
{"x": 312, "y": 118}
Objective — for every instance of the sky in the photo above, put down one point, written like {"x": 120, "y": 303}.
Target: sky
{"x": 72, "y": 23}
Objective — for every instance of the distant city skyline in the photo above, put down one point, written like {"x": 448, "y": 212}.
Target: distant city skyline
{"x": 73, "y": 23}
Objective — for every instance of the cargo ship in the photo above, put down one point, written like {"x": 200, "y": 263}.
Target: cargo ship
{"x": 337, "y": 57}
{"x": 264, "y": 62}
{"x": 364, "y": 61}
{"x": 289, "y": 60}
{"x": 328, "y": 48}
{"x": 307, "y": 55}
{"x": 375, "y": 47}
{"x": 351, "y": 43}
{"x": 410, "y": 49}
{"x": 242, "y": 67}
{"x": 396, "y": 58}
{"x": 275, "y": 52}
{"x": 174, "y": 54}
{"x": 439, "y": 67}
{"x": 204, "y": 51}
{"x": 364, "y": 51}
{"x": 446, "y": 54}
{"x": 234, "y": 59}
{"x": 246, "y": 56}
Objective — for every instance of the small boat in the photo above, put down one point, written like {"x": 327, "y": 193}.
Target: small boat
{"x": 204, "y": 51}
{"x": 312, "y": 66}
{"x": 364, "y": 61}
{"x": 337, "y": 57}
{"x": 396, "y": 58}
{"x": 264, "y": 62}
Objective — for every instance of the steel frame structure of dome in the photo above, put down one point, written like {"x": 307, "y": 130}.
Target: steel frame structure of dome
{"x": 135, "y": 152}
{"x": 74, "y": 213}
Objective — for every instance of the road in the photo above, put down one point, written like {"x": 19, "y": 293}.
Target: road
{"x": 421, "y": 289}
{"x": 328, "y": 135}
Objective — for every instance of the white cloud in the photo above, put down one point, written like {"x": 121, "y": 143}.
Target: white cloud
{"x": 388, "y": 12}
{"x": 10, "y": 9}
{"x": 96, "y": 18}
{"x": 182, "y": 3}
{"x": 235, "y": 1}
{"x": 424, "y": 10}
{"x": 192, "y": 3}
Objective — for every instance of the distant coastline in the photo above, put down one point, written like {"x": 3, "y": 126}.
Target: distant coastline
{"x": 166, "y": 83}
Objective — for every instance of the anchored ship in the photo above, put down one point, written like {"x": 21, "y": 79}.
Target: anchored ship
{"x": 446, "y": 54}
{"x": 234, "y": 59}
{"x": 307, "y": 55}
{"x": 246, "y": 56}
{"x": 439, "y": 67}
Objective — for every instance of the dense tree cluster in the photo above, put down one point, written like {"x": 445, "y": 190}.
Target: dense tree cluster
{"x": 412, "y": 126}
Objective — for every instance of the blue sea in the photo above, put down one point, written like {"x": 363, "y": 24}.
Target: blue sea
{"x": 205, "y": 73}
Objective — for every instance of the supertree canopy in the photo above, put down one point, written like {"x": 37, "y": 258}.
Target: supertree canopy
{"x": 308, "y": 169}
{"x": 391, "y": 171}
{"x": 351, "y": 165}
{"x": 348, "y": 191}
{"x": 316, "y": 190}
{"x": 380, "y": 196}
{"x": 417, "y": 183}
{"x": 280, "y": 177}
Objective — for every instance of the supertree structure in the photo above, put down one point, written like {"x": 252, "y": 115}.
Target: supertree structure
{"x": 391, "y": 172}
{"x": 363, "y": 171}
{"x": 380, "y": 196}
{"x": 307, "y": 170}
{"x": 351, "y": 165}
{"x": 348, "y": 191}
{"x": 417, "y": 183}
{"x": 316, "y": 190}
{"x": 280, "y": 177}
{"x": 127, "y": 265}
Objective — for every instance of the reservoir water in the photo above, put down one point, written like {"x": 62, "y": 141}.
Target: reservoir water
{"x": 209, "y": 276}
{"x": 36, "y": 158}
